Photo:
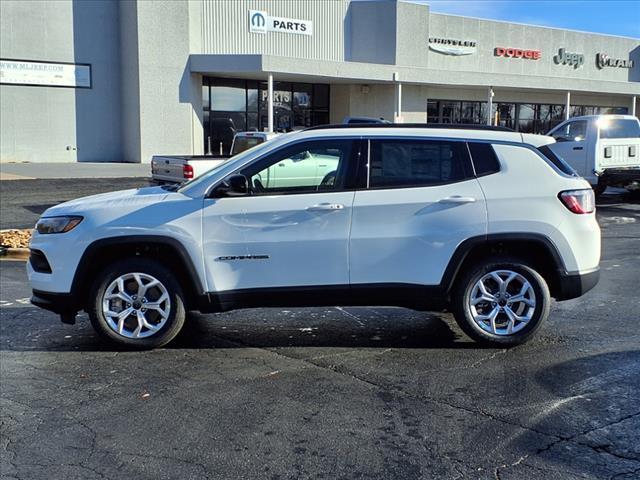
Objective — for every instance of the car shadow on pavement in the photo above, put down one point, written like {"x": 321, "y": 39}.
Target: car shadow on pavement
{"x": 263, "y": 328}
{"x": 399, "y": 328}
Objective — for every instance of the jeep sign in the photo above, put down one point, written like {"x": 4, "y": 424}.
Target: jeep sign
{"x": 261, "y": 22}
{"x": 565, "y": 58}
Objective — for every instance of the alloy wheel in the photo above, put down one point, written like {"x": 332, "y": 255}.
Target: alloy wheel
{"x": 136, "y": 305}
{"x": 502, "y": 302}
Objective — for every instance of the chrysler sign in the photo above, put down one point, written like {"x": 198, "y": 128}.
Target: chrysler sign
{"x": 261, "y": 22}
{"x": 449, "y": 46}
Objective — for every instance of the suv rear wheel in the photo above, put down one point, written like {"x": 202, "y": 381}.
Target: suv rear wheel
{"x": 501, "y": 302}
{"x": 138, "y": 303}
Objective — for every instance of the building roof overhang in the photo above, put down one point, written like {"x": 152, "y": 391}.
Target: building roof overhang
{"x": 257, "y": 66}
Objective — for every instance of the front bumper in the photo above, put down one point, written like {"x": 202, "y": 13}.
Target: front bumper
{"x": 60, "y": 303}
{"x": 574, "y": 285}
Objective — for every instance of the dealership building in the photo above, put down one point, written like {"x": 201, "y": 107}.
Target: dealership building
{"x": 124, "y": 80}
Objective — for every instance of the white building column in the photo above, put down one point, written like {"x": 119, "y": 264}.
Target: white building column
{"x": 397, "y": 114}
{"x": 270, "y": 103}
{"x": 567, "y": 107}
{"x": 634, "y": 100}
{"x": 490, "y": 106}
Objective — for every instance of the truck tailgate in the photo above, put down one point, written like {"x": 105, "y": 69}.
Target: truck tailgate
{"x": 618, "y": 153}
{"x": 167, "y": 169}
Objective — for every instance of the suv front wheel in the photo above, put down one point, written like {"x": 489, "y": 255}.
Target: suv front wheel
{"x": 138, "y": 303}
{"x": 501, "y": 302}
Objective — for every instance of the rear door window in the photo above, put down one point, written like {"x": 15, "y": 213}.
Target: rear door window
{"x": 619, "y": 128}
{"x": 417, "y": 163}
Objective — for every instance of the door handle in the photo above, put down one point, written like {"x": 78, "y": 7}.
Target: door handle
{"x": 457, "y": 199}
{"x": 578, "y": 148}
{"x": 326, "y": 206}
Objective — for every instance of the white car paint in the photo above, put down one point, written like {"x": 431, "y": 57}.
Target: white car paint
{"x": 403, "y": 235}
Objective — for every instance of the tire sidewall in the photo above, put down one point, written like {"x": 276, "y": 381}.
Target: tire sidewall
{"x": 465, "y": 319}
{"x": 151, "y": 267}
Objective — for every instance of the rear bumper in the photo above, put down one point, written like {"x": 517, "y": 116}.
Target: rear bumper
{"x": 61, "y": 303}
{"x": 575, "y": 285}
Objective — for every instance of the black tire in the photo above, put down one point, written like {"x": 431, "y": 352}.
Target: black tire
{"x": 461, "y": 297}
{"x": 177, "y": 312}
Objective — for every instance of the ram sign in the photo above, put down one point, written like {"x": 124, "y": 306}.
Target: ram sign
{"x": 261, "y": 22}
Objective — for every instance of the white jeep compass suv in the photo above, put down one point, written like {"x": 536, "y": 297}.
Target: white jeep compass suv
{"x": 484, "y": 222}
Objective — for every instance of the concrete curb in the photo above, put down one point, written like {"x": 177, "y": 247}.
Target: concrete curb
{"x": 15, "y": 254}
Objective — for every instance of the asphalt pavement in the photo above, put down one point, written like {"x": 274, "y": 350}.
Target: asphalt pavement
{"x": 23, "y": 201}
{"x": 352, "y": 393}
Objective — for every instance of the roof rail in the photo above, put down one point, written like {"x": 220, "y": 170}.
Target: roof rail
{"x": 452, "y": 126}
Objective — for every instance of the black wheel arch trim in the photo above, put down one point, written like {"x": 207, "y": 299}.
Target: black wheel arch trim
{"x": 84, "y": 265}
{"x": 466, "y": 247}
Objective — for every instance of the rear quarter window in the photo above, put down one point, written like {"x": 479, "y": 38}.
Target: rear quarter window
{"x": 620, "y": 128}
{"x": 557, "y": 161}
{"x": 485, "y": 160}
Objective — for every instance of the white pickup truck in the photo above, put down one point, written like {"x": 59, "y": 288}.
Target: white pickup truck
{"x": 176, "y": 169}
{"x": 604, "y": 149}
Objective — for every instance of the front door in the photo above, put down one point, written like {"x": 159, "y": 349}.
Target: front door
{"x": 293, "y": 229}
{"x": 422, "y": 202}
{"x": 571, "y": 146}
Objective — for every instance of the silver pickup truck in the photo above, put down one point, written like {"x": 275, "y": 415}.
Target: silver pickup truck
{"x": 175, "y": 169}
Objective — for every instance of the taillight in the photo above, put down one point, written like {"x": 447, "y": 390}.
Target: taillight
{"x": 187, "y": 171}
{"x": 579, "y": 201}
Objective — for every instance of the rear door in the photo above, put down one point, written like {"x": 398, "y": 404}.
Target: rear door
{"x": 572, "y": 146}
{"x": 422, "y": 200}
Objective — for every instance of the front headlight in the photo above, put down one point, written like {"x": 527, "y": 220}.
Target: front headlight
{"x": 57, "y": 224}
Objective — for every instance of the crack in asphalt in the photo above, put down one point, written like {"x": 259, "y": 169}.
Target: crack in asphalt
{"x": 558, "y": 439}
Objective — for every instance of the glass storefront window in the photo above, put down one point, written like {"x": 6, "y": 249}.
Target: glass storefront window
{"x": 506, "y": 114}
{"x": 252, "y": 97}
{"x": 522, "y": 117}
{"x": 321, "y": 97}
{"x": 237, "y": 105}
{"x": 302, "y": 96}
{"x": 223, "y": 126}
{"x": 205, "y": 97}
{"x": 228, "y": 95}
{"x": 449, "y": 112}
{"x": 432, "y": 112}
{"x": 526, "y": 117}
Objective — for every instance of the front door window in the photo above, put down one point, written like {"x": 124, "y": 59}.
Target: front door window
{"x": 304, "y": 168}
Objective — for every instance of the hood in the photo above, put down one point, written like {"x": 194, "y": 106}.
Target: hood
{"x": 122, "y": 199}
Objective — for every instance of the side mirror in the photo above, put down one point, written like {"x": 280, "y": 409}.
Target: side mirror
{"x": 579, "y": 138}
{"x": 233, "y": 186}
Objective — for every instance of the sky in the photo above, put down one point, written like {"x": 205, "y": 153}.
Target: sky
{"x": 613, "y": 17}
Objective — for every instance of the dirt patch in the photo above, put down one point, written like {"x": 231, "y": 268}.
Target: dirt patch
{"x": 15, "y": 238}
